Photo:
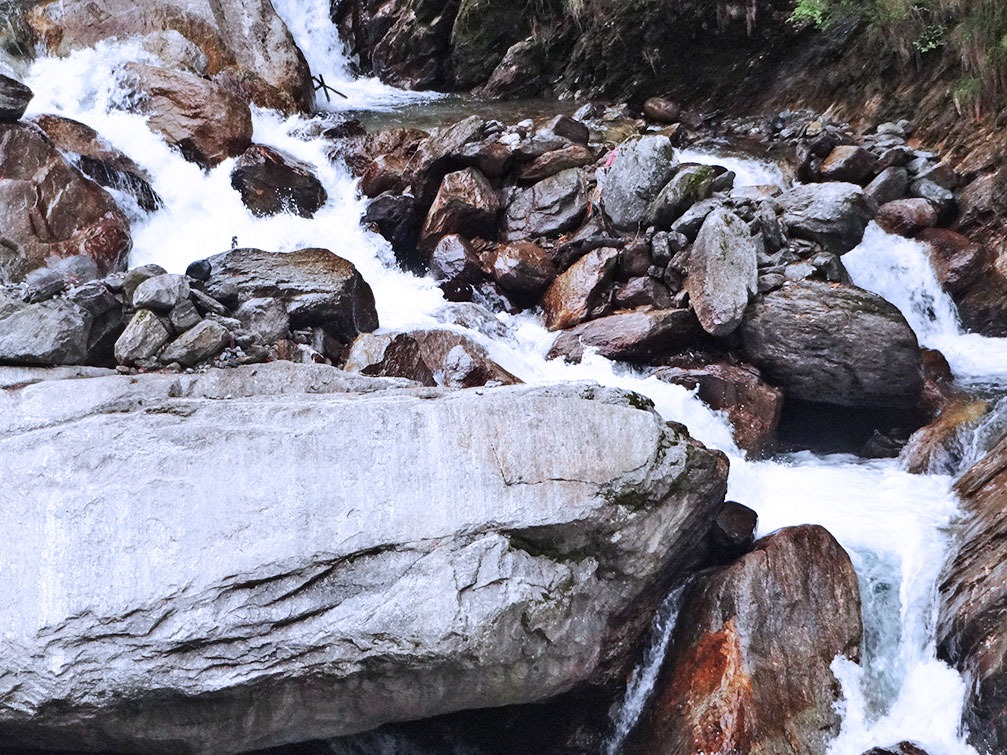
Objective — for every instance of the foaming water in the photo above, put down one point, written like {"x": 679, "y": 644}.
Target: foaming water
{"x": 899, "y": 270}
{"x": 311, "y": 26}
{"x": 749, "y": 171}
{"x": 894, "y": 525}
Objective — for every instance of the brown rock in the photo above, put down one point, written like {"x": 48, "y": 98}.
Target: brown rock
{"x": 523, "y": 269}
{"x": 902, "y": 748}
{"x": 360, "y": 149}
{"x": 973, "y": 598}
{"x": 569, "y": 128}
{"x": 520, "y": 73}
{"x": 48, "y": 208}
{"x": 752, "y": 405}
{"x": 453, "y": 261}
{"x": 937, "y": 447}
{"x": 99, "y": 160}
{"x": 643, "y": 292}
{"x": 431, "y": 357}
{"x": 578, "y": 294}
{"x": 271, "y": 181}
{"x": 203, "y": 120}
{"x": 638, "y": 336}
{"x": 384, "y": 173}
{"x": 849, "y": 163}
{"x": 956, "y": 260}
{"x": 662, "y": 110}
{"x": 465, "y": 204}
{"x": 906, "y": 217}
{"x": 889, "y": 185}
{"x": 725, "y": 687}
{"x": 551, "y": 163}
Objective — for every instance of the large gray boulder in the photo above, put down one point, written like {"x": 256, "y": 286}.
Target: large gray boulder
{"x": 550, "y": 207}
{"x": 973, "y": 596}
{"x": 244, "y": 41}
{"x": 46, "y": 333}
{"x": 641, "y": 168}
{"x": 723, "y": 272}
{"x": 834, "y": 214}
{"x": 832, "y": 343}
{"x": 270, "y": 559}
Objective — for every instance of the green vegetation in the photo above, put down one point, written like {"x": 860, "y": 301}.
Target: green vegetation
{"x": 973, "y": 32}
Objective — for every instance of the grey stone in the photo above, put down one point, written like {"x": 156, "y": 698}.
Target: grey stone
{"x": 266, "y": 318}
{"x": 138, "y": 275}
{"x": 80, "y": 268}
{"x": 42, "y": 284}
{"x": 48, "y": 333}
{"x": 640, "y": 170}
{"x": 689, "y": 185}
{"x": 517, "y": 526}
{"x": 692, "y": 219}
{"x": 162, "y": 293}
{"x": 203, "y": 341}
{"x": 942, "y": 199}
{"x": 143, "y": 337}
{"x": 14, "y": 99}
{"x": 832, "y": 214}
{"x": 723, "y": 272}
{"x": 552, "y": 206}
{"x": 184, "y": 316}
{"x": 889, "y": 185}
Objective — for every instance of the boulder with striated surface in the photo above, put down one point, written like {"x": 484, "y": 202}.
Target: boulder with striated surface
{"x": 833, "y": 214}
{"x": 520, "y": 530}
{"x": 640, "y": 169}
{"x": 723, "y": 272}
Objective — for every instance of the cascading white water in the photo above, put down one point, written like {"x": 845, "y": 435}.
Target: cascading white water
{"x": 893, "y": 524}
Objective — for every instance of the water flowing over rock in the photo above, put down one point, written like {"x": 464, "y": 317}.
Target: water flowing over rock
{"x": 724, "y": 687}
{"x": 519, "y": 529}
{"x": 836, "y": 344}
{"x": 202, "y": 119}
{"x": 243, "y": 41}
{"x": 270, "y": 182}
{"x": 833, "y": 214}
{"x": 317, "y": 287}
{"x": 48, "y": 209}
{"x": 639, "y": 171}
{"x": 722, "y": 272}
{"x": 973, "y": 597}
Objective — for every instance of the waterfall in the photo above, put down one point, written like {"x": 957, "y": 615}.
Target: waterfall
{"x": 894, "y": 525}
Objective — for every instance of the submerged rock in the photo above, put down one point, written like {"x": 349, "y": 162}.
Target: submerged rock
{"x": 749, "y": 667}
{"x": 832, "y": 343}
{"x": 520, "y": 530}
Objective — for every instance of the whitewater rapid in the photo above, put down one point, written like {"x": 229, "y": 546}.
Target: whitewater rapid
{"x": 896, "y": 526}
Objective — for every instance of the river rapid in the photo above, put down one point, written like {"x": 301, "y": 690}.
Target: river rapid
{"x": 896, "y": 526}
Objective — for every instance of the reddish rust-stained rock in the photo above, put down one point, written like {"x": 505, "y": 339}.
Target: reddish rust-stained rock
{"x": 725, "y": 687}
{"x": 906, "y": 217}
{"x": 637, "y": 336}
{"x": 579, "y": 293}
{"x": 849, "y": 163}
{"x": 752, "y": 405}
{"x": 957, "y": 261}
{"x": 523, "y": 269}
{"x": 48, "y": 208}
{"x": 551, "y": 163}
{"x": 466, "y": 204}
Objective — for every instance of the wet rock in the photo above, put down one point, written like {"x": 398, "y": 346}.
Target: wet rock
{"x": 902, "y": 748}
{"x": 199, "y": 270}
{"x": 640, "y": 169}
{"x": 99, "y": 160}
{"x": 722, "y": 272}
{"x": 957, "y": 261}
{"x": 245, "y": 42}
{"x": 489, "y": 502}
{"x": 753, "y": 406}
{"x": 184, "y": 316}
{"x": 49, "y": 333}
{"x": 849, "y": 163}
{"x": 906, "y": 217}
{"x": 454, "y": 262}
{"x": 689, "y": 185}
{"x": 643, "y": 292}
{"x": 198, "y": 344}
{"x": 440, "y": 154}
{"x": 941, "y": 198}
{"x": 662, "y": 110}
{"x": 550, "y": 207}
{"x": 938, "y": 448}
{"x": 271, "y": 182}
{"x": 579, "y": 293}
{"x": 397, "y": 219}
{"x": 267, "y": 319}
{"x": 14, "y": 99}
{"x": 638, "y": 336}
{"x": 430, "y": 357}
{"x": 144, "y": 336}
{"x": 551, "y": 163}
{"x": 973, "y": 593}
{"x": 733, "y": 532}
{"x": 466, "y": 203}
{"x": 161, "y": 293}
{"x": 723, "y": 687}
{"x": 318, "y": 288}
{"x": 520, "y": 73}
{"x": 569, "y": 128}
{"x": 889, "y": 185}
{"x": 834, "y": 344}
{"x": 49, "y": 210}
{"x": 523, "y": 269}
{"x": 202, "y": 119}
{"x": 832, "y": 214}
